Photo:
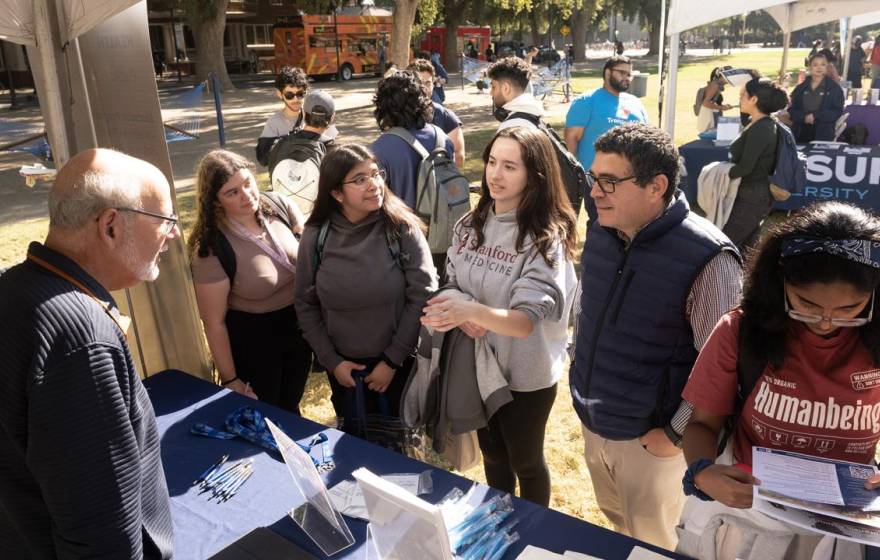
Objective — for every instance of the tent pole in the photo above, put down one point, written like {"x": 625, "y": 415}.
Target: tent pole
{"x": 845, "y": 49}
{"x": 786, "y": 39}
{"x": 46, "y": 73}
{"x": 669, "y": 104}
{"x": 660, "y": 60}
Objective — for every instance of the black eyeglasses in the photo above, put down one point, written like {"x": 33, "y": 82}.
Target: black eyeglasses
{"x": 170, "y": 221}
{"x": 289, "y": 95}
{"x": 606, "y": 184}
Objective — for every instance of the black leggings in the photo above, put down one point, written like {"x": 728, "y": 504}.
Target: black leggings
{"x": 513, "y": 445}
{"x": 270, "y": 353}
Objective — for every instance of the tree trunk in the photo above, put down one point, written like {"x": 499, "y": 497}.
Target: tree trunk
{"x": 208, "y": 34}
{"x": 535, "y": 25}
{"x": 401, "y": 33}
{"x": 452, "y": 12}
{"x": 581, "y": 21}
{"x": 653, "y": 39}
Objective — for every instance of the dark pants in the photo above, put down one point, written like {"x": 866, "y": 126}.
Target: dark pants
{"x": 513, "y": 446}
{"x": 343, "y": 397}
{"x": 440, "y": 264}
{"x": 753, "y": 203}
{"x": 270, "y": 353}
{"x": 807, "y": 134}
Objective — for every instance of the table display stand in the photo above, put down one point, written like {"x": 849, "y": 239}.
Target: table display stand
{"x": 316, "y": 516}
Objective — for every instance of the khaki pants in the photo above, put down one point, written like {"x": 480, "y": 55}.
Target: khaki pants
{"x": 639, "y": 493}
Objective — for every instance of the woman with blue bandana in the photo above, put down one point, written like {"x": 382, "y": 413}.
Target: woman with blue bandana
{"x": 794, "y": 368}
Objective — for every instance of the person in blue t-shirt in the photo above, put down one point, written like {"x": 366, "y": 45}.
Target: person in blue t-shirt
{"x": 598, "y": 111}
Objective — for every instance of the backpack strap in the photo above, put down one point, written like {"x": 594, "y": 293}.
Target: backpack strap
{"x": 409, "y": 139}
{"x": 226, "y": 255}
{"x": 278, "y": 206}
{"x": 320, "y": 241}
{"x": 534, "y": 119}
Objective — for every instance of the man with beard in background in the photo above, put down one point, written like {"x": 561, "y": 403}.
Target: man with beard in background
{"x": 598, "y": 111}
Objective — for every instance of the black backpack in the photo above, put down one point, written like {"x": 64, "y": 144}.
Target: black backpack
{"x": 573, "y": 175}
{"x": 226, "y": 255}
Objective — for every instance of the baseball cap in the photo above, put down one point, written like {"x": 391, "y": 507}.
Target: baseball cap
{"x": 319, "y": 102}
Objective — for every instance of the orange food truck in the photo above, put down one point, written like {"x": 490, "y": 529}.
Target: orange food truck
{"x": 435, "y": 40}
{"x": 310, "y": 43}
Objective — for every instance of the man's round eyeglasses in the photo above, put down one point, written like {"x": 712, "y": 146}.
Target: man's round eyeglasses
{"x": 607, "y": 184}
{"x": 170, "y": 221}
{"x": 362, "y": 180}
{"x": 289, "y": 95}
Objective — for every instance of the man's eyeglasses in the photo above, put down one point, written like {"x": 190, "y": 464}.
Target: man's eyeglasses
{"x": 170, "y": 221}
{"x": 361, "y": 181}
{"x": 606, "y": 184}
{"x": 816, "y": 319}
{"x": 289, "y": 95}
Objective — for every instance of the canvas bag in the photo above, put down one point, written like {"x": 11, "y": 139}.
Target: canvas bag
{"x": 790, "y": 173}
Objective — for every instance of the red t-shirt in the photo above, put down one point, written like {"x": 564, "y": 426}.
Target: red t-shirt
{"x": 824, "y": 401}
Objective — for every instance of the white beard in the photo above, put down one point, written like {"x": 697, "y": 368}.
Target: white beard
{"x": 144, "y": 271}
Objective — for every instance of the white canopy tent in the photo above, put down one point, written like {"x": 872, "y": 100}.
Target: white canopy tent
{"x": 790, "y": 15}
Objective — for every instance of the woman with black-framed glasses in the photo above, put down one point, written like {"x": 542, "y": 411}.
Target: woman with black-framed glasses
{"x": 804, "y": 349}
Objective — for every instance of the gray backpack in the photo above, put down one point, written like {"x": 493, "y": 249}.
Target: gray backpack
{"x": 698, "y": 101}
{"x": 442, "y": 195}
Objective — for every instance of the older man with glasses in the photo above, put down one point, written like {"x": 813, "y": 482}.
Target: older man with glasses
{"x": 656, "y": 279}
{"x": 79, "y": 449}
{"x": 595, "y": 112}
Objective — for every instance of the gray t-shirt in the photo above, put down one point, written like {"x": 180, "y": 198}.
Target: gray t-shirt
{"x": 498, "y": 276}
{"x": 279, "y": 125}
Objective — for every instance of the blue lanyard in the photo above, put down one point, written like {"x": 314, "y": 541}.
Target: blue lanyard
{"x": 249, "y": 424}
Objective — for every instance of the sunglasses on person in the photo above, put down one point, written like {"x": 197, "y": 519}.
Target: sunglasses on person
{"x": 170, "y": 221}
{"x": 811, "y": 319}
{"x": 289, "y": 95}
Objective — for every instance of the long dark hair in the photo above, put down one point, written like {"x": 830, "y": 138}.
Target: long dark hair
{"x": 544, "y": 212}
{"x": 765, "y": 323}
{"x": 213, "y": 171}
{"x": 334, "y": 167}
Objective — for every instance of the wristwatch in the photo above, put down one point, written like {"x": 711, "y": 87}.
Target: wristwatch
{"x": 673, "y": 436}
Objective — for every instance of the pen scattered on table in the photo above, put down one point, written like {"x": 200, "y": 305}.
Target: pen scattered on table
{"x": 224, "y": 483}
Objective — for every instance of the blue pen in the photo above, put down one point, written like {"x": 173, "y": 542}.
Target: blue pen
{"x": 239, "y": 485}
{"x": 221, "y": 484}
{"x": 210, "y": 470}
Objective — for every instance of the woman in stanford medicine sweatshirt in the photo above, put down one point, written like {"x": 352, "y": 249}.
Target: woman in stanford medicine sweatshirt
{"x": 365, "y": 272}
{"x": 513, "y": 256}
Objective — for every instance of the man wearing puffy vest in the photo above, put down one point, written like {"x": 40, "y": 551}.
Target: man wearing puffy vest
{"x": 656, "y": 279}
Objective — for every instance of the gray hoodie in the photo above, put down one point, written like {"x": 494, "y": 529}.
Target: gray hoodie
{"x": 495, "y": 274}
{"x": 360, "y": 304}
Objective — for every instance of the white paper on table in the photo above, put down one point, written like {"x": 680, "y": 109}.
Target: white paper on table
{"x": 796, "y": 477}
{"x": 641, "y": 553}
{"x": 535, "y": 553}
{"x": 728, "y": 129}
{"x": 579, "y": 556}
{"x": 348, "y": 498}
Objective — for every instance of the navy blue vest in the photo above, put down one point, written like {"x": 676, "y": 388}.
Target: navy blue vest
{"x": 635, "y": 346}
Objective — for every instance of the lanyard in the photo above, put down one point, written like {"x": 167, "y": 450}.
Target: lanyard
{"x": 275, "y": 250}
{"x": 121, "y": 320}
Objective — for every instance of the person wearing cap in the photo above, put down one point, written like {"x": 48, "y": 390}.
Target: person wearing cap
{"x": 316, "y": 135}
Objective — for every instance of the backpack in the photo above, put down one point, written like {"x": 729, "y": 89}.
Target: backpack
{"x": 226, "y": 255}
{"x": 294, "y": 168}
{"x": 698, "y": 100}
{"x": 321, "y": 240}
{"x": 573, "y": 175}
{"x": 790, "y": 174}
{"x": 856, "y": 135}
{"x": 442, "y": 192}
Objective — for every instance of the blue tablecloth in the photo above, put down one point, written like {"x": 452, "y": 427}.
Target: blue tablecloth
{"x": 847, "y": 173}
{"x": 202, "y": 528}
